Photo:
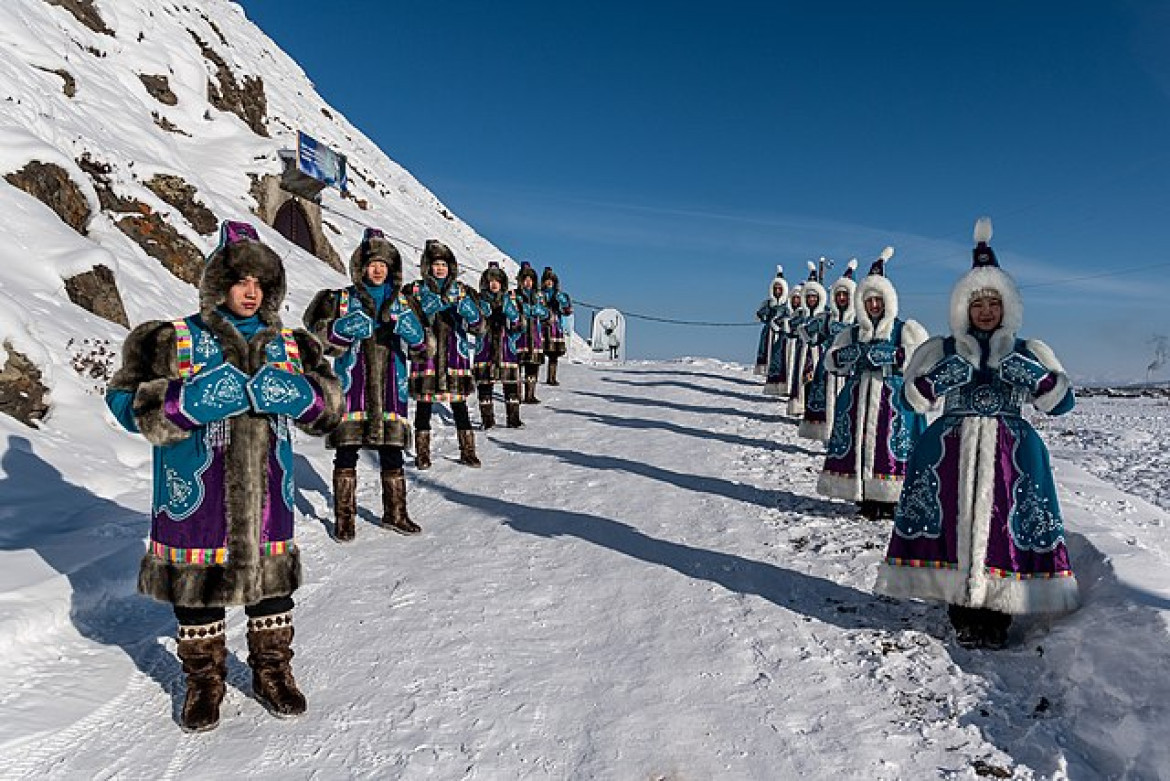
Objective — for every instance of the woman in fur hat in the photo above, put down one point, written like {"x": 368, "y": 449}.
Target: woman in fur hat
{"x": 530, "y": 346}
{"x": 792, "y": 321}
{"x": 822, "y": 330}
{"x": 808, "y": 345}
{"x": 769, "y": 357}
{"x": 559, "y": 306}
{"x": 369, "y": 327}
{"x": 449, "y": 311}
{"x": 873, "y": 428}
{"x": 496, "y": 359}
{"x": 214, "y": 393}
{"x": 979, "y": 525}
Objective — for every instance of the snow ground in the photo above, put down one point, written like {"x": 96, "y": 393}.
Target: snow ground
{"x": 641, "y": 583}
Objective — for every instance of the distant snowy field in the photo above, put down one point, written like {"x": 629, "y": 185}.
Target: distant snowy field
{"x": 640, "y": 584}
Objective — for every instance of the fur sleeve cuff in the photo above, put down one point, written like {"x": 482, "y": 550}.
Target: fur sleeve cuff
{"x": 918, "y": 363}
{"x": 150, "y": 411}
{"x": 1051, "y": 397}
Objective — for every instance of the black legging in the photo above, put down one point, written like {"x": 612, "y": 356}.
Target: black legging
{"x": 198, "y": 616}
{"x": 389, "y": 457}
{"x": 422, "y": 415}
{"x": 511, "y": 392}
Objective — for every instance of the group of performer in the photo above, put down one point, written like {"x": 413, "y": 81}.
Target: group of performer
{"x": 218, "y": 391}
{"x": 929, "y": 432}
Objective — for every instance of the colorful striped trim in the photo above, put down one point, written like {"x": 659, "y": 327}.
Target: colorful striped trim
{"x": 922, "y": 563}
{"x": 184, "y": 348}
{"x": 1009, "y": 575}
{"x": 292, "y": 352}
{"x": 211, "y": 555}
{"x": 363, "y": 415}
{"x": 188, "y": 555}
{"x": 275, "y": 548}
{"x": 343, "y": 304}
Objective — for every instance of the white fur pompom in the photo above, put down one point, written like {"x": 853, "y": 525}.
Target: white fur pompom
{"x": 983, "y": 230}
{"x": 887, "y": 253}
{"x": 812, "y": 266}
{"x": 779, "y": 271}
{"x": 852, "y": 263}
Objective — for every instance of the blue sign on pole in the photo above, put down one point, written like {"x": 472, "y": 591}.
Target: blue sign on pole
{"x": 320, "y": 162}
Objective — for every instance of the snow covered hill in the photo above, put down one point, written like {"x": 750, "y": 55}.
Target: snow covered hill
{"x": 641, "y": 583}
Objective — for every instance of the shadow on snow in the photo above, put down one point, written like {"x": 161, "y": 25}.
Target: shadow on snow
{"x": 641, "y": 401}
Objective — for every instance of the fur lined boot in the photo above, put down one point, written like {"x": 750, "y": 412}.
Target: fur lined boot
{"x": 467, "y": 448}
{"x": 552, "y": 371}
{"x": 344, "y": 504}
{"x": 422, "y": 449}
{"x": 394, "y": 503}
{"x": 530, "y": 390}
{"x": 203, "y": 652}
{"x": 270, "y": 657}
{"x": 513, "y": 412}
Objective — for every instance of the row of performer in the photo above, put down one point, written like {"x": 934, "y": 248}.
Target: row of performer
{"x": 930, "y": 431}
{"x": 218, "y": 392}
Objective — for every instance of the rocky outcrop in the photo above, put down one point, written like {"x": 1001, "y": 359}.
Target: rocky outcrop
{"x": 163, "y": 243}
{"x": 96, "y": 291}
{"x": 178, "y": 193}
{"x": 50, "y": 184}
{"x": 159, "y": 88}
{"x": 99, "y": 173}
{"x": 246, "y": 101}
{"x": 270, "y": 197}
{"x": 85, "y": 12}
{"x": 22, "y": 394}
{"x": 70, "y": 85}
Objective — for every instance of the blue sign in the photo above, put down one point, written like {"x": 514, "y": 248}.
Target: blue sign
{"x": 320, "y": 162}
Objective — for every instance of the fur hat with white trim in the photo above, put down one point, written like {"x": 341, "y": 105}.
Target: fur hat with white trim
{"x": 876, "y": 285}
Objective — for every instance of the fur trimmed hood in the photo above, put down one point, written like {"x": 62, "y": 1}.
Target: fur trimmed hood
{"x": 966, "y": 289}
{"x": 784, "y": 294}
{"x": 437, "y": 250}
{"x": 812, "y": 286}
{"x": 878, "y": 286}
{"x": 835, "y": 313}
{"x": 371, "y": 249}
{"x": 231, "y": 262}
{"x": 548, "y": 274}
{"x": 493, "y": 272}
{"x": 527, "y": 271}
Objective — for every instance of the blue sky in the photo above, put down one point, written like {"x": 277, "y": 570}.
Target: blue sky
{"x": 665, "y": 156}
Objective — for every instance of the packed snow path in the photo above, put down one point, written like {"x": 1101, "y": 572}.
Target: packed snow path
{"x": 641, "y": 583}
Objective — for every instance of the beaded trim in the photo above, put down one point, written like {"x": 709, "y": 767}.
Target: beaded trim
{"x": 278, "y": 621}
{"x": 211, "y": 555}
{"x": 1009, "y": 575}
{"x": 363, "y": 415}
{"x": 201, "y": 631}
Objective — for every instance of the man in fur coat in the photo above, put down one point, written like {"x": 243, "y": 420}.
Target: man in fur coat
{"x": 979, "y": 524}
{"x": 449, "y": 311}
{"x": 496, "y": 361}
{"x": 215, "y": 393}
{"x": 559, "y": 307}
{"x": 874, "y": 430}
{"x": 369, "y": 327}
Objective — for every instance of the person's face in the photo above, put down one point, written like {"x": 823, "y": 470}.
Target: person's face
{"x": 777, "y": 291}
{"x": 795, "y": 300}
{"x": 494, "y": 285}
{"x": 548, "y": 283}
{"x": 986, "y": 313}
{"x": 841, "y": 298}
{"x": 875, "y": 306}
{"x": 245, "y": 297}
{"x": 377, "y": 272}
{"x": 811, "y": 299}
{"x": 526, "y": 283}
{"x": 439, "y": 269}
